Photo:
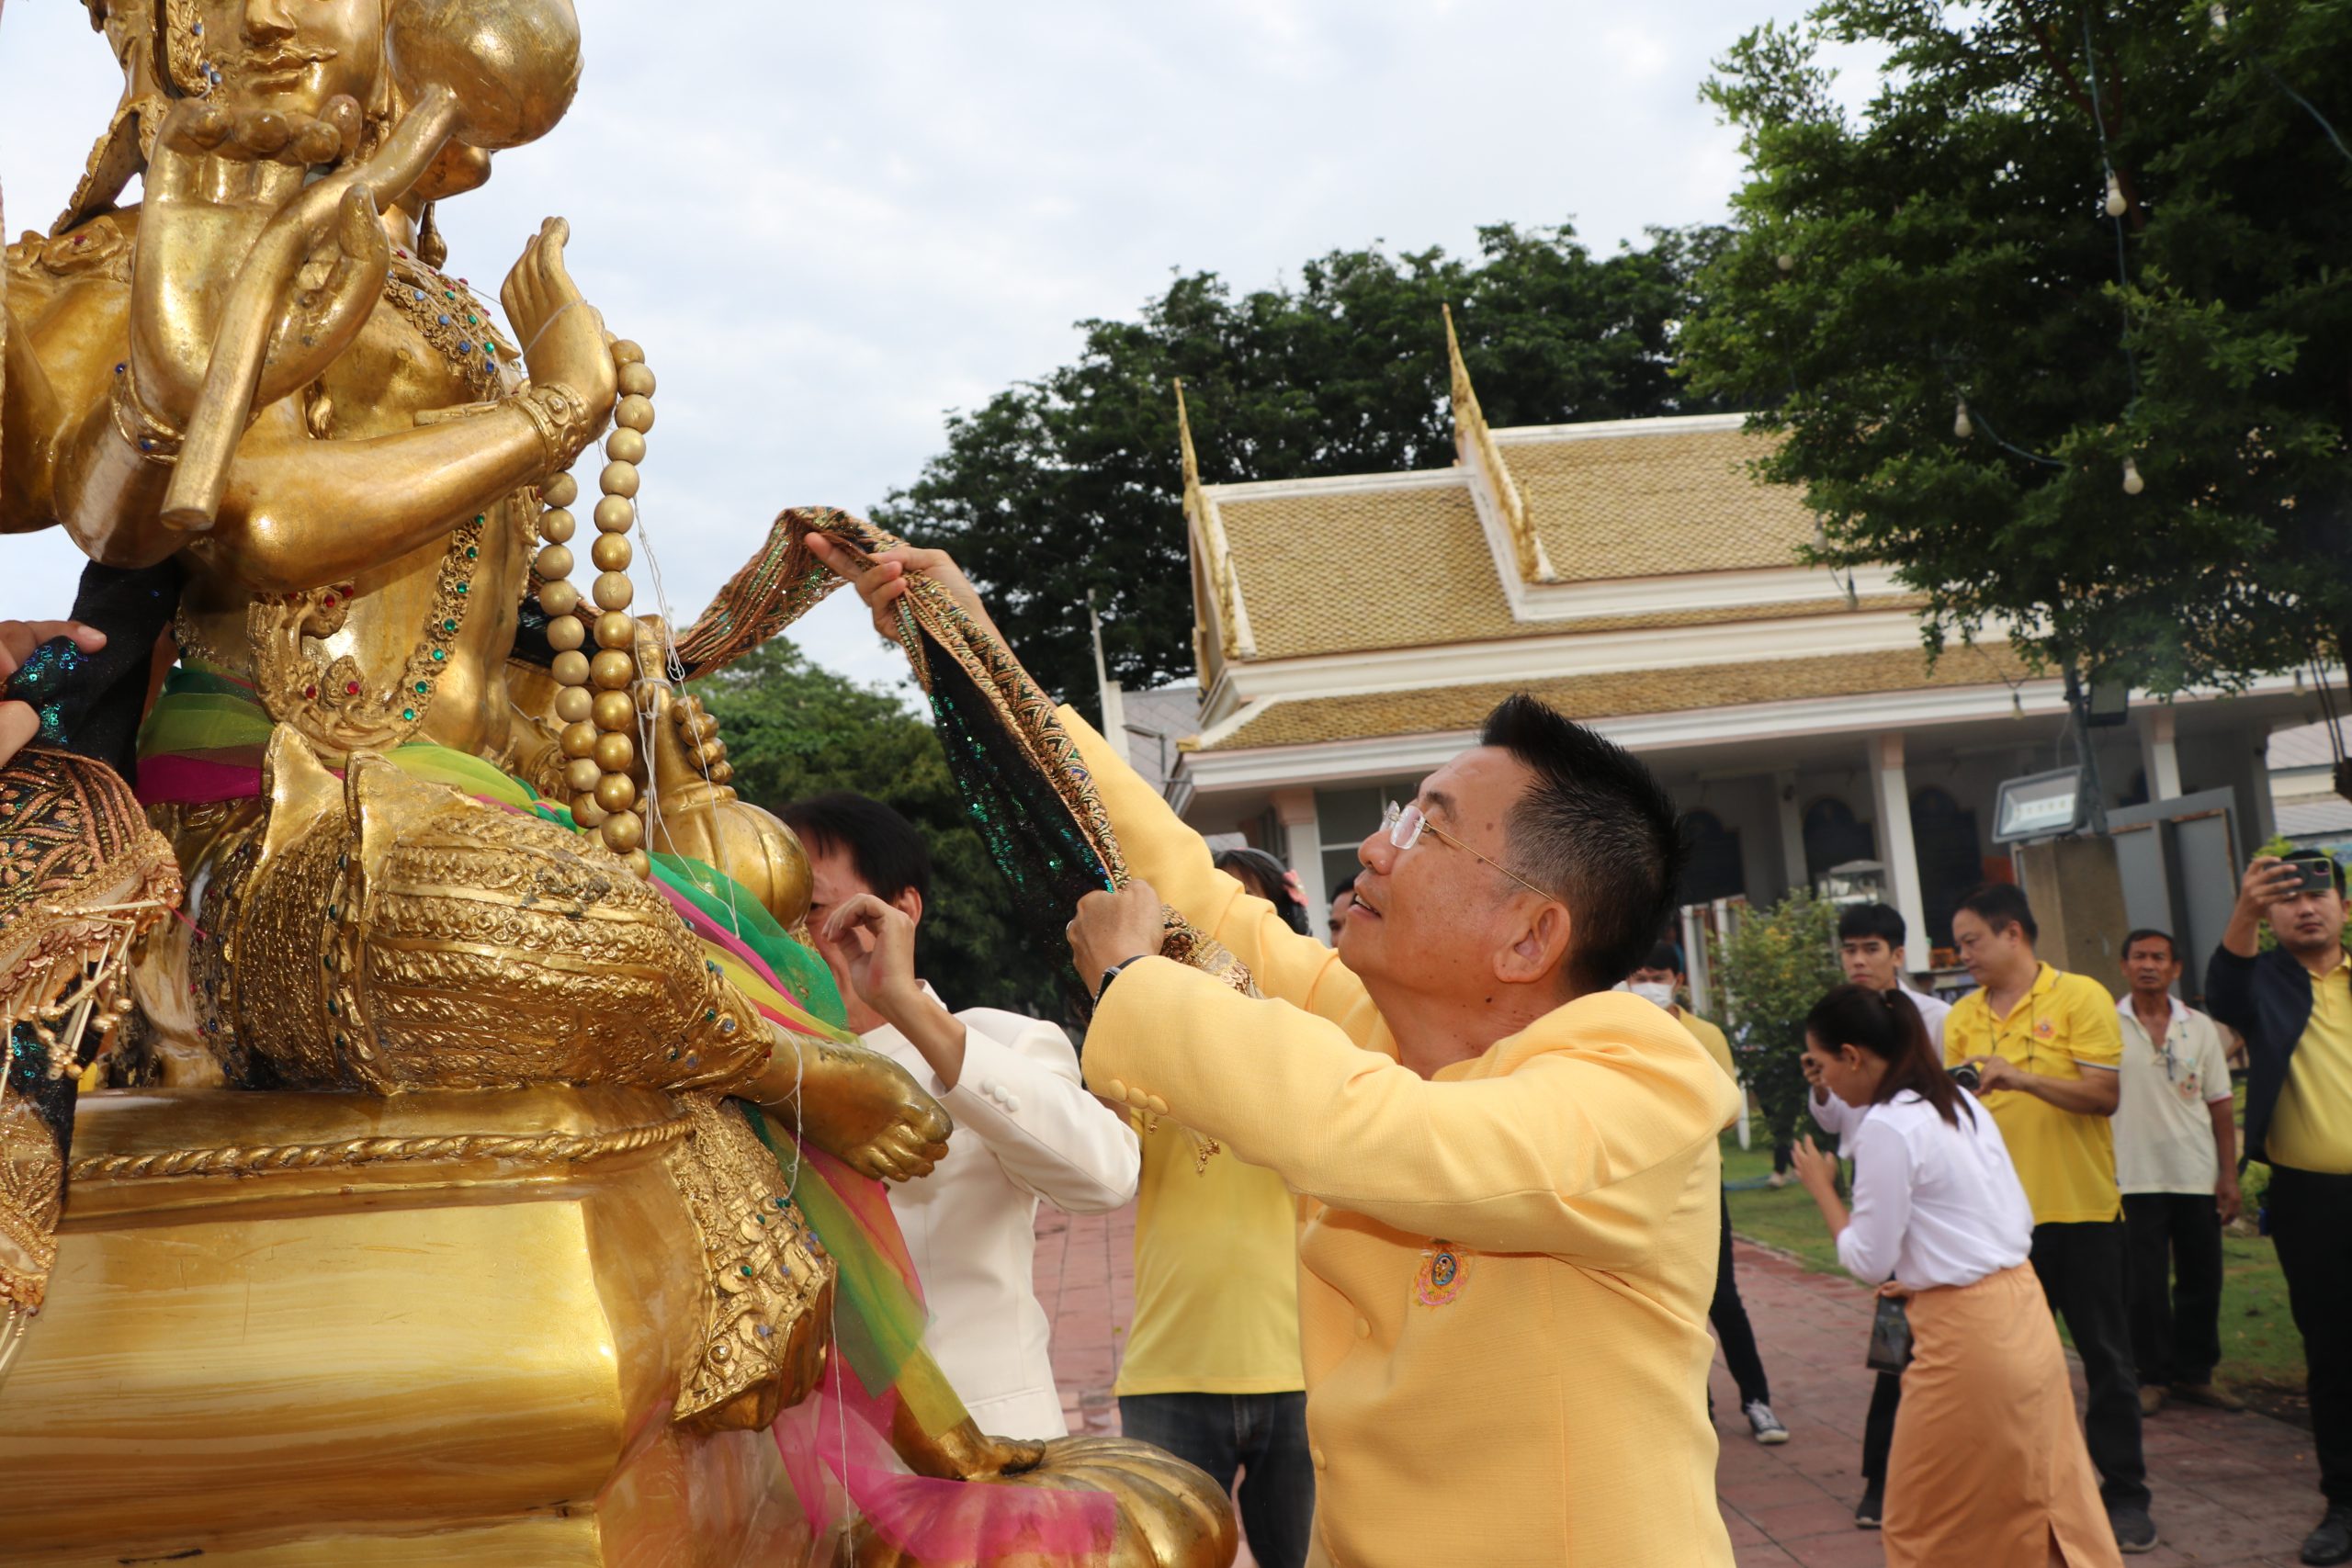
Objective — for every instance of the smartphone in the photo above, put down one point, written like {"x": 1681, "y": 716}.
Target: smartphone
{"x": 2318, "y": 875}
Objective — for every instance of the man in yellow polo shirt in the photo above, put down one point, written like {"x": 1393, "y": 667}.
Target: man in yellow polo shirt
{"x": 1212, "y": 1370}
{"x": 1660, "y": 979}
{"x": 1509, "y": 1248}
{"x": 2293, "y": 1004}
{"x": 2048, "y": 1050}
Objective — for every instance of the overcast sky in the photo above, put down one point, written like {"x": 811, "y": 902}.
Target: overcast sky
{"x": 831, "y": 225}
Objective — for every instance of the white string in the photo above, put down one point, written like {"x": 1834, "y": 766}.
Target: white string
{"x": 558, "y": 315}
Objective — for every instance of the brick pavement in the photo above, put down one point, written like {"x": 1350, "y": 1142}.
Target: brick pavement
{"x": 2230, "y": 1491}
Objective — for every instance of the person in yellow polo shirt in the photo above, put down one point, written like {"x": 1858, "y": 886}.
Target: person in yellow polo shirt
{"x": 2293, "y": 1004}
{"x": 1660, "y": 979}
{"x": 2048, "y": 1050}
{"x": 1505, "y": 1272}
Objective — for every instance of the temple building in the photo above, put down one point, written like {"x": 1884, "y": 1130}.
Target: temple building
{"x": 1350, "y": 633}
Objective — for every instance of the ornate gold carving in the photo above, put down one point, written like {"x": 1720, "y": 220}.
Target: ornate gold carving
{"x": 444, "y": 311}
{"x": 537, "y": 1148}
{"x": 81, "y": 875}
{"x": 455, "y": 945}
{"x": 31, "y": 1194}
{"x": 331, "y": 701}
{"x": 767, "y": 1283}
{"x": 1477, "y": 444}
{"x": 1208, "y": 537}
{"x": 560, "y": 415}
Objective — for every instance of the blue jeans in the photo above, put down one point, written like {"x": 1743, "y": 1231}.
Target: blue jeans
{"x": 1263, "y": 1435}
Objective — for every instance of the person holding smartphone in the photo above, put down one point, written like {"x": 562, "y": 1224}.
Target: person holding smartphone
{"x": 2293, "y": 1004}
{"x": 1987, "y": 1464}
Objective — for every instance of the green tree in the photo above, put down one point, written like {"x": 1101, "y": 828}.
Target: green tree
{"x": 1931, "y": 302}
{"x": 1072, "y": 482}
{"x": 793, "y": 729}
{"x": 1775, "y": 965}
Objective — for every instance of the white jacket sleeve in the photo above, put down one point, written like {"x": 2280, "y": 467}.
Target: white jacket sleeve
{"x": 1834, "y": 1115}
{"x": 1021, "y": 1095}
{"x": 1873, "y": 1239}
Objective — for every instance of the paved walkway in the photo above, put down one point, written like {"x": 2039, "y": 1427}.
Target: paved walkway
{"x": 2230, "y": 1491}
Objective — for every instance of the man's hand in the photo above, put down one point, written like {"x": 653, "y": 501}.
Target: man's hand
{"x": 1111, "y": 927}
{"x": 876, "y": 941}
{"x": 19, "y": 722}
{"x": 1996, "y": 1072}
{"x": 2227, "y": 1200}
{"x": 881, "y": 580}
{"x": 2268, "y": 881}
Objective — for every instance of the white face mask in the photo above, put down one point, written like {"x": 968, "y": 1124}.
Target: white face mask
{"x": 1656, "y": 991}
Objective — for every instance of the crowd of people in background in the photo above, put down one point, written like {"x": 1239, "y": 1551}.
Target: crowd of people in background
{"x": 2039, "y": 1122}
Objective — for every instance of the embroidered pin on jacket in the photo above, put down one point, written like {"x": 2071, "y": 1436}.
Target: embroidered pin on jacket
{"x": 1444, "y": 1270}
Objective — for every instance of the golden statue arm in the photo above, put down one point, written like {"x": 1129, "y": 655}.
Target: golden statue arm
{"x": 299, "y": 512}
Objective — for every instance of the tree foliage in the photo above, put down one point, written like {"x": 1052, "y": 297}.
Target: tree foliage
{"x": 1072, "y": 482}
{"x": 1775, "y": 965}
{"x": 1953, "y": 241}
{"x": 793, "y": 729}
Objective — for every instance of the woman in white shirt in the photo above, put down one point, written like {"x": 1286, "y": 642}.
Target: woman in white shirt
{"x": 1988, "y": 1465}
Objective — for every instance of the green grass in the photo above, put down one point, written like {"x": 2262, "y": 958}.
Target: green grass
{"x": 2259, "y": 1344}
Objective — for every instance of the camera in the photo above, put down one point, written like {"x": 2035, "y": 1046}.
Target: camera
{"x": 2318, "y": 873}
{"x": 1967, "y": 1076}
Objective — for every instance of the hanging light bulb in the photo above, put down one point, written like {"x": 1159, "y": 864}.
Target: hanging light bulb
{"x": 1786, "y": 260}
{"x": 2116, "y": 205}
{"x": 1961, "y": 424}
{"x": 2017, "y": 702}
{"x": 2132, "y": 483}
{"x": 2220, "y": 16}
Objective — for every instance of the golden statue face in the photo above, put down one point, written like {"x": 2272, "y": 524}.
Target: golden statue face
{"x": 294, "y": 55}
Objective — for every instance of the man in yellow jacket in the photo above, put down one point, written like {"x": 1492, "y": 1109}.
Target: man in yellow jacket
{"x": 1506, "y": 1270}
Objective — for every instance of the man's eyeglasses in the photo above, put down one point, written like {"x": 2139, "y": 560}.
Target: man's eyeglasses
{"x": 1406, "y": 823}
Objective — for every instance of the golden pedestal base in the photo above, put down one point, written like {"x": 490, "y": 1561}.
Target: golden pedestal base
{"x": 435, "y": 1328}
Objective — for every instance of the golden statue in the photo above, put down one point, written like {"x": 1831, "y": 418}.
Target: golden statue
{"x": 452, "y": 1204}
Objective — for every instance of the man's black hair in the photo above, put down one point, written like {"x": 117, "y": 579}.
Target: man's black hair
{"x": 1860, "y": 922}
{"x": 1595, "y": 831}
{"x": 1665, "y": 956}
{"x": 2001, "y": 905}
{"x": 2150, "y": 934}
{"x": 2334, "y": 865}
{"x": 887, "y": 849}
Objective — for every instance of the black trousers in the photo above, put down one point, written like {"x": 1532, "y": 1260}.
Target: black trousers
{"x": 2311, "y": 1221}
{"x": 2176, "y": 1285}
{"x": 1729, "y": 1314}
{"x": 1878, "y": 1427}
{"x": 2082, "y": 1267}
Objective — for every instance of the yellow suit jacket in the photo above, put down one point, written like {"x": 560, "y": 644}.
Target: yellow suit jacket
{"x": 1505, "y": 1273}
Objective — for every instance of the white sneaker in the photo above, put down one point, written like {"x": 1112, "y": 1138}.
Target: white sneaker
{"x": 1763, "y": 1423}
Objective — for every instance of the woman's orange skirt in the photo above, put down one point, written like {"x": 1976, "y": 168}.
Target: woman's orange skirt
{"x": 1988, "y": 1465}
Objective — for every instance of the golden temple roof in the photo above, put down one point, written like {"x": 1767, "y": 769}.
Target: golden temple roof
{"x": 1438, "y": 710}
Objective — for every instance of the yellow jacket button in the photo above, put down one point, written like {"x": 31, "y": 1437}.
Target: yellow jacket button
{"x": 1364, "y": 1329}
{"x": 1316, "y": 1455}
{"x": 1115, "y": 1089}
{"x": 1158, "y": 1104}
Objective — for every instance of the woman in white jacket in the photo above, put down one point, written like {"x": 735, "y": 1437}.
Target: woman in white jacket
{"x": 1988, "y": 1463}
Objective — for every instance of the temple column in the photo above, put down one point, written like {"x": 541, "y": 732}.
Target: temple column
{"x": 2157, "y": 752}
{"x": 1784, "y": 798}
{"x": 1303, "y": 841}
{"x": 1892, "y": 792}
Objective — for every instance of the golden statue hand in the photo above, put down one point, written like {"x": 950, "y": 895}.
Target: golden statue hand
{"x": 689, "y": 759}
{"x": 562, "y": 336}
{"x": 856, "y": 1105}
{"x": 218, "y": 178}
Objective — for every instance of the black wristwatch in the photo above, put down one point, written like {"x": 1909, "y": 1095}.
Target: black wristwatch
{"x": 1113, "y": 972}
